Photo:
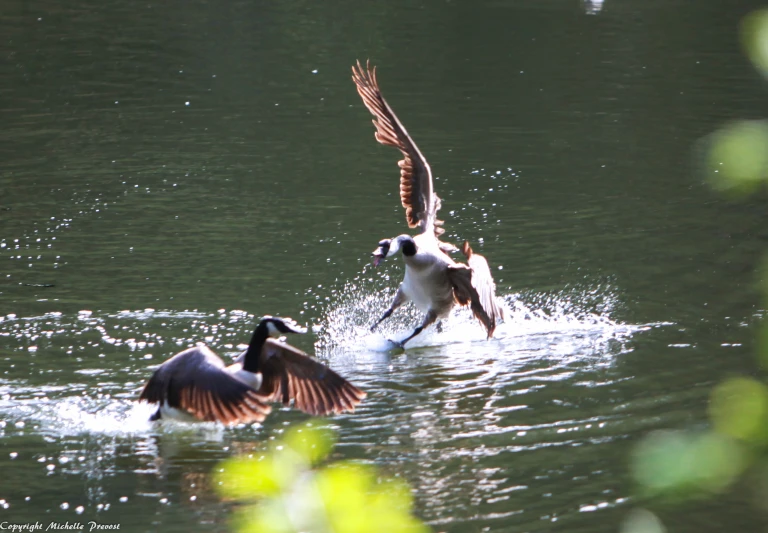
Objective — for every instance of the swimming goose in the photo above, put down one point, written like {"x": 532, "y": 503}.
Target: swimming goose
{"x": 434, "y": 282}
{"x": 195, "y": 385}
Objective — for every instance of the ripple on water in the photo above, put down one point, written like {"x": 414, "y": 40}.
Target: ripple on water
{"x": 567, "y": 322}
{"x": 463, "y": 419}
{"x": 87, "y": 369}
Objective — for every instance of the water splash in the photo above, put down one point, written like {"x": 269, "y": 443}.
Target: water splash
{"x": 78, "y": 415}
{"x": 108, "y": 358}
{"x": 575, "y": 313}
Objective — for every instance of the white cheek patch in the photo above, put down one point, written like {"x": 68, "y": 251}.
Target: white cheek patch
{"x": 273, "y": 331}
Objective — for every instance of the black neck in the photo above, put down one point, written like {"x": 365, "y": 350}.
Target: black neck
{"x": 409, "y": 248}
{"x": 253, "y": 355}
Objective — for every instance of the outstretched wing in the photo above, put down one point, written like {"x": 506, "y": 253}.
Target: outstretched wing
{"x": 290, "y": 374}
{"x": 416, "y": 191}
{"x": 474, "y": 285}
{"x": 195, "y": 381}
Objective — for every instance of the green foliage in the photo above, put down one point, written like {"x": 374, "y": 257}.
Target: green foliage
{"x": 736, "y": 155}
{"x": 286, "y": 491}
{"x": 754, "y": 39}
{"x": 680, "y": 465}
{"x": 642, "y": 521}
{"x": 736, "y": 158}
{"x": 739, "y": 408}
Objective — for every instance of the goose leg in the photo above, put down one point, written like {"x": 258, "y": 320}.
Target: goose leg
{"x": 399, "y": 300}
{"x": 429, "y": 319}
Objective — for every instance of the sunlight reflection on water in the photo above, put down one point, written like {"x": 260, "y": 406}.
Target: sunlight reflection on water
{"x": 566, "y": 323}
{"x": 456, "y": 403}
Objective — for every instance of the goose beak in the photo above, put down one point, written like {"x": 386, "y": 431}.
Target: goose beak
{"x": 381, "y": 252}
{"x": 378, "y": 256}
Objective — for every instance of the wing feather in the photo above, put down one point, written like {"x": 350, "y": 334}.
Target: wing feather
{"x": 416, "y": 189}
{"x": 314, "y": 388}
{"x": 195, "y": 381}
{"x": 473, "y": 285}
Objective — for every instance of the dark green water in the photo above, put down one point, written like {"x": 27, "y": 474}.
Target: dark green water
{"x": 175, "y": 169}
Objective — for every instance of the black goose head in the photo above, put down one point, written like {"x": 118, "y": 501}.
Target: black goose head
{"x": 381, "y": 252}
{"x": 277, "y": 326}
{"x": 389, "y": 247}
{"x": 269, "y": 326}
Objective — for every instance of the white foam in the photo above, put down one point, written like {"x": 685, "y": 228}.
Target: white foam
{"x": 77, "y": 415}
{"x": 107, "y": 417}
{"x": 568, "y": 320}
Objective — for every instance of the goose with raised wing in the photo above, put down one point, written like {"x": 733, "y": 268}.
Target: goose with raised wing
{"x": 196, "y": 385}
{"x": 433, "y": 281}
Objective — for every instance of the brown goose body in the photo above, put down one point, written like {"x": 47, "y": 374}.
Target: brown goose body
{"x": 196, "y": 385}
{"x": 433, "y": 281}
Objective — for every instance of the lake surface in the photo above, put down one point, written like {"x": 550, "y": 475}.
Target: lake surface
{"x": 172, "y": 171}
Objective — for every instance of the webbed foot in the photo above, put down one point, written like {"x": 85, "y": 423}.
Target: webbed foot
{"x": 399, "y": 344}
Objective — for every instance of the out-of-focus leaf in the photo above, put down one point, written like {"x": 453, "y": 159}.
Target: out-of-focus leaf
{"x": 267, "y": 517}
{"x": 754, "y": 38}
{"x": 344, "y": 490}
{"x": 312, "y": 443}
{"x": 642, "y": 521}
{"x": 736, "y": 157}
{"x": 391, "y": 504}
{"x": 660, "y": 462}
{"x": 356, "y": 502}
{"x": 294, "y": 497}
{"x": 243, "y": 478}
{"x": 739, "y": 407}
{"x": 681, "y": 465}
{"x": 718, "y": 461}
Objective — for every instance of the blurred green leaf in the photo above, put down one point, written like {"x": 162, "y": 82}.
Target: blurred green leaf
{"x": 340, "y": 498}
{"x": 343, "y": 489}
{"x": 739, "y": 408}
{"x": 682, "y": 465}
{"x": 657, "y": 464}
{"x": 718, "y": 461}
{"x": 267, "y": 517}
{"x": 642, "y": 521}
{"x": 754, "y": 38}
{"x": 357, "y": 503}
{"x": 736, "y": 157}
{"x": 313, "y": 444}
{"x": 243, "y": 478}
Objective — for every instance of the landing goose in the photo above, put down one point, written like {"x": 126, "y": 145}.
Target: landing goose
{"x": 195, "y": 385}
{"x": 434, "y": 282}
